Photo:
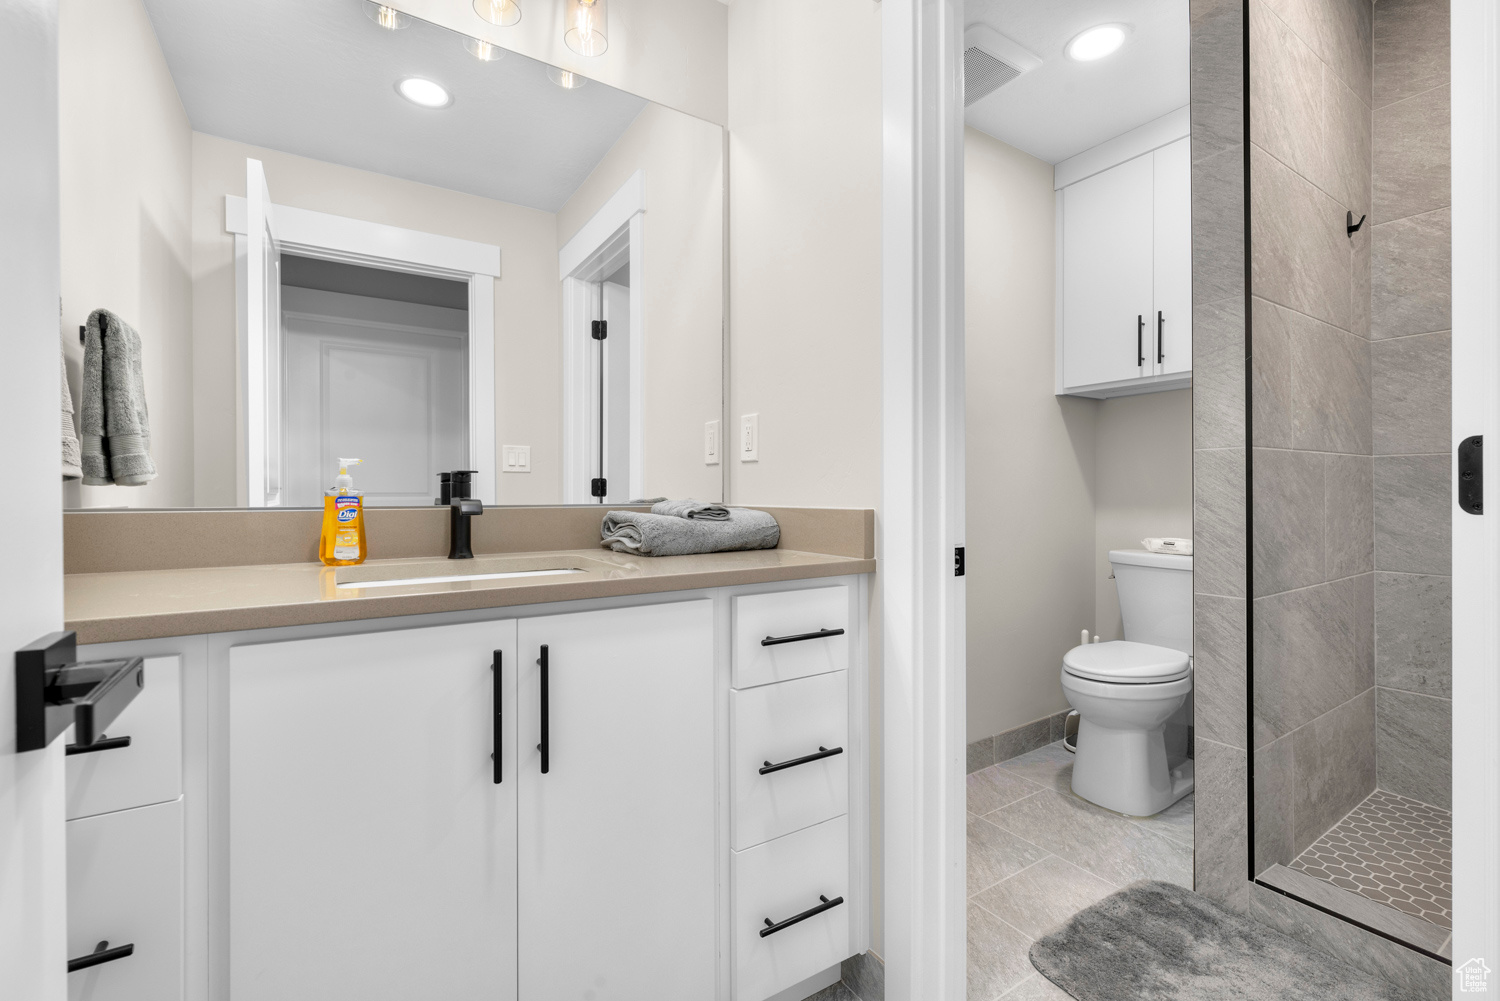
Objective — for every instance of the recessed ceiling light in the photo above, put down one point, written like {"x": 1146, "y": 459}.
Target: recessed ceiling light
{"x": 1097, "y": 42}
{"x": 424, "y": 92}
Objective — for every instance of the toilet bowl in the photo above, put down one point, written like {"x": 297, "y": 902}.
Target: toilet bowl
{"x": 1126, "y": 690}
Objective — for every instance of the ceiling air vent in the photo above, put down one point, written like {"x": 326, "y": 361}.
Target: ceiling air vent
{"x": 991, "y": 61}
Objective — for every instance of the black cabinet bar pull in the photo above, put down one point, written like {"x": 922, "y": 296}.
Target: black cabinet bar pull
{"x": 823, "y": 752}
{"x": 102, "y": 954}
{"x": 498, "y": 704}
{"x": 772, "y": 929}
{"x": 546, "y": 745}
{"x": 1160, "y": 353}
{"x": 774, "y": 640}
{"x": 102, "y": 744}
{"x": 1140, "y": 344}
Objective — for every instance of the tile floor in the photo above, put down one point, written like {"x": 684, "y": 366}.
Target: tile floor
{"x": 1393, "y": 850}
{"x": 1039, "y": 854}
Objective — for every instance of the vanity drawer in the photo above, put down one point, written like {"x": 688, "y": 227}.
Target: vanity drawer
{"x": 125, "y": 887}
{"x": 779, "y": 880}
{"x": 811, "y": 623}
{"x": 149, "y": 770}
{"x": 778, "y": 724}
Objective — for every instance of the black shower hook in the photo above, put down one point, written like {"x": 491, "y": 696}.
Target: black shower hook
{"x": 1350, "y": 225}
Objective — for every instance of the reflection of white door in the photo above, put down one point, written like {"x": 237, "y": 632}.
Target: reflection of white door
{"x": 616, "y": 392}
{"x": 380, "y": 380}
{"x": 258, "y": 258}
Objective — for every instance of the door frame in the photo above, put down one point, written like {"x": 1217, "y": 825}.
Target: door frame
{"x": 922, "y": 500}
{"x": 393, "y": 248}
{"x": 1475, "y": 83}
{"x": 618, "y": 227}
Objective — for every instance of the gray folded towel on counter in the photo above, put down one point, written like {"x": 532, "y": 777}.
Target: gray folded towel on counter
{"x": 112, "y": 415}
{"x": 691, "y": 509}
{"x": 667, "y": 535}
{"x": 72, "y": 456}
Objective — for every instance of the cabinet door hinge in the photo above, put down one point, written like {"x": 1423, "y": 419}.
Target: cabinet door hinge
{"x": 600, "y": 329}
{"x": 598, "y": 487}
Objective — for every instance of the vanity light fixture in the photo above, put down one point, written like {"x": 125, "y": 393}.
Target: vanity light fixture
{"x": 388, "y": 18}
{"x": 1097, "y": 42}
{"x": 585, "y": 27}
{"x": 566, "y": 79}
{"x": 502, "y": 12}
{"x": 485, "y": 52}
{"x": 424, "y": 92}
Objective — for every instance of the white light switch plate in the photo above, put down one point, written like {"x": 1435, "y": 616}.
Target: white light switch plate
{"x": 515, "y": 458}
{"x": 711, "y": 443}
{"x": 750, "y": 437}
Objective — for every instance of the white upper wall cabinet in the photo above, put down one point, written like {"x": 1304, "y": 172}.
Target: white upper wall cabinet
{"x": 1125, "y": 273}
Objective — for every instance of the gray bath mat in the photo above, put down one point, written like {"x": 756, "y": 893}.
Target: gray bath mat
{"x": 1159, "y": 940}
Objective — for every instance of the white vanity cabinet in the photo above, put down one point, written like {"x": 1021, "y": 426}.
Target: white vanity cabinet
{"x": 1125, "y": 277}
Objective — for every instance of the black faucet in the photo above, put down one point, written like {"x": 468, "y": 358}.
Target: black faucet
{"x": 459, "y": 512}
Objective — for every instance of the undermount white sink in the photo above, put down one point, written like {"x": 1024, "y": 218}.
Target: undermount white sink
{"x": 450, "y": 572}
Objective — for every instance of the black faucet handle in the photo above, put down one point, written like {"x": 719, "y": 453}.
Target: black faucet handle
{"x": 468, "y": 505}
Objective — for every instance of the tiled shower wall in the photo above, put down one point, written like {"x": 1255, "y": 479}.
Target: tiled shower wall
{"x": 1312, "y": 542}
{"x": 1410, "y": 366}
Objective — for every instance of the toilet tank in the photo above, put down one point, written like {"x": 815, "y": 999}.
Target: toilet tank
{"x": 1156, "y": 597}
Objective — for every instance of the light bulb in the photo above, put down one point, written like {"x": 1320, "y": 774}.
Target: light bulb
{"x": 483, "y": 51}
{"x": 502, "y": 12}
{"x": 424, "y": 92}
{"x": 1096, "y": 42}
{"x": 586, "y": 27}
{"x": 566, "y": 79}
{"x": 388, "y": 18}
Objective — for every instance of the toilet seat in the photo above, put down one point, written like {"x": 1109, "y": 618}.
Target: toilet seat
{"x": 1122, "y": 662}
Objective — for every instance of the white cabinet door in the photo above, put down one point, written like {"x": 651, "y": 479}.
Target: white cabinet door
{"x": 372, "y": 852}
{"x": 617, "y": 866}
{"x": 1173, "y": 257}
{"x": 1106, "y": 280}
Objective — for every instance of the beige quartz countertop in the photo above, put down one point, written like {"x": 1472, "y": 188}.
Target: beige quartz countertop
{"x": 148, "y": 604}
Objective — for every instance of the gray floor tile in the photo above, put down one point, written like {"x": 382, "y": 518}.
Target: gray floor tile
{"x": 1050, "y": 766}
{"x": 834, "y": 992}
{"x": 996, "y": 854}
{"x": 998, "y": 957}
{"x": 1175, "y": 822}
{"x": 1037, "y": 988}
{"x": 1037, "y": 899}
{"x": 994, "y": 787}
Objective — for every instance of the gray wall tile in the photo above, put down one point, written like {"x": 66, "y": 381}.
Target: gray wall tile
{"x": 1414, "y": 633}
{"x": 1411, "y": 48}
{"x": 1218, "y": 194}
{"x": 1023, "y": 738}
{"x": 1219, "y": 374}
{"x": 1359, "y": 281}
{"x": 1286, "y": 95}
{"x": 1338, "y": 30}
{"x": 1414, "y": 739}
{"x": 1333, "y": 758}
{"x": 1410, "y": 275}
{"x": 1346, "y": 144}
{"x": 1314, "y": 650}
{"x": 1271, "y": 373}
{"x": 1300, "y": 251}
{"x": 1348, "y": 516}
{"x": 1275, "y": 803}
{"x": 1411, "y": 156}
{"x": 1219, "y": 652}
{"x": 1412, "y": 514}
{"x": 981, "y": 754}
{"x": 1412, "y": 405}
{"x": 1288, "y": 538}
{"x": 1216, "y": 68}
{"x": 1330, "y": 388}
{"x": 1220, "y": 852}
{"x": 1219, "y": 522}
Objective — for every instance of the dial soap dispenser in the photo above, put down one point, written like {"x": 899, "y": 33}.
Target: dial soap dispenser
{"x": 343, "y": 542}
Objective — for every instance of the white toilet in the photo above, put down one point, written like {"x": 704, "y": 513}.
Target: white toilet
{"x": 1126, "y": 690}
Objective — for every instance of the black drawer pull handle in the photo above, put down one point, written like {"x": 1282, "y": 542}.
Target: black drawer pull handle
{"x": 774, "y": 640}
{"x": 772, "y": 929}
{"x": 102, "y": 744}
{"x": 546, "y": 745}
{"x": 823, "y": 752}
{"x": 497, "y": 706}
{"x": 102, "y": 954}
{"x": 1161, "y": 355}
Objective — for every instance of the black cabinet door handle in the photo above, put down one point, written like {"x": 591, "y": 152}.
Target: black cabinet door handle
{"x": 102, "y": 954}
{"x": 1140, "y": 344}
{"x": 823, "y": 752}
{"x": 102, "y": 744}
{"x": 546, "y": 745}
{"x": 497, "y": 700}
{"x": 775, "y": 640}
{"x": 772, "y": 929}
{"x": 1160, "y": 353}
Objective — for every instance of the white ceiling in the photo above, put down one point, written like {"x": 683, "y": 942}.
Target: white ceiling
{"x": 1064, "y": 107}
{"x": 317, "y": 78}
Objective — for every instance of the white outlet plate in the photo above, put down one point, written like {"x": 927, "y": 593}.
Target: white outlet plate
{"x": 711, "y": 443}
{"x": 515, "y": 458}
{"x": 750, "y": 437}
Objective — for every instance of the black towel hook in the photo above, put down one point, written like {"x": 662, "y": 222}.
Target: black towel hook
{"x": 1351, "y": 226}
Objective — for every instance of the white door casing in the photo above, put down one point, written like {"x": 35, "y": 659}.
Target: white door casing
{"x": 376, "y": 245}
{"x": 258, "y": 294}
